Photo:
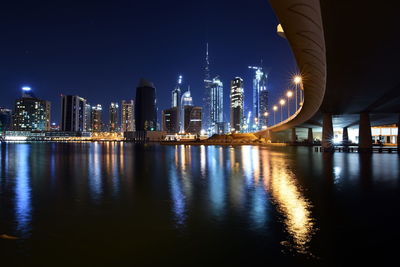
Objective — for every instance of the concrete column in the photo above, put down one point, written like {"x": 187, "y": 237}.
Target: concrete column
{"x": 365, "y": 136}
{"x": 398, "y": 135}
{"x": 310, "y": 136}
{"x": 345, "y": 137}
{"x": 327, "y": 132}
{"x": 293, "y": 137}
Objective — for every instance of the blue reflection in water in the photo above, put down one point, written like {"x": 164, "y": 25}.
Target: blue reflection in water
{"x": 259, "y": 207}
{"x": 23, "y": 206}
{"x": 216, "y": 177}
{"x": 178, "y": 197}
{"x": 95, "y": 182}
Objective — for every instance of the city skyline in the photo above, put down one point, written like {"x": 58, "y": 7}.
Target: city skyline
{"x": 118, "y": 77}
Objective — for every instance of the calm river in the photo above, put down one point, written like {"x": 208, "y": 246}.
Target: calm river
{"x": 125, "y": 204}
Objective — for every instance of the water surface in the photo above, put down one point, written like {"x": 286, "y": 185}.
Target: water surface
{"x": 125, "y": 204}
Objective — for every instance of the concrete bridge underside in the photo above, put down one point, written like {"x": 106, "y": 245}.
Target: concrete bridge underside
{"x": 348, "y": 55}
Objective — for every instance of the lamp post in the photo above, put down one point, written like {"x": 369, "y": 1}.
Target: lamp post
{"x": 289, "y": 94}
{"x": 266, "y": 115}
{"x": 297, "y": 81}
{"x": 275, "y": 108}
{"x": 282, "y": 103}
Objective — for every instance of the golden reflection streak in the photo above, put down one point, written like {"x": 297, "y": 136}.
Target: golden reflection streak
{"x": 292, "y": 204}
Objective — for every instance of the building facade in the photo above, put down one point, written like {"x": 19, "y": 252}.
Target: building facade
{"x": 216, "y": 107}
{"x": 145, "y": 107}
{"x": 114, "y": 117}
{"x": 73, "y": 110}
{"x": 170, "y": 120}
{"x": 31, "y": 113}
{"x": 259, "y": 80}
{"x": 237, "y": 104}
{"x": 192, "y": 119}
{"x": 87, "y": 118}
{"x": 263, "y": 116}
{"x": 128, "y": 116}
{"x": 96, "y": 118}
{"x": 5, "y": 119}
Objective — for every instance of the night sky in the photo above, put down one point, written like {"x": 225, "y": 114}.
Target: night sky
{"x": 100, "y": 49}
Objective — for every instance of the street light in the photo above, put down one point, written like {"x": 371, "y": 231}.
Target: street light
{"x": 289, "y": 94}
{"x": 282, "y": 103}
{"x": 297, "y": 80}
{"x": 275, "y": 108}
{"x": 266, "y": 115}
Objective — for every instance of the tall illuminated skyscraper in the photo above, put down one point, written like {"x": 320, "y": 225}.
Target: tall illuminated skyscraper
{"x": 207, "y": 94}
{"x": 114, "y": 117}
{"x": 260, "y": 79}
{"x": 263, "y": 116}
{"x": 216, "y": 107}
{"x": 128, "y": 116}
{"x": 237, "y": 97}
{"x": 5, "y": 119}
{"x": 31, "y": 113}
{"x": 96, "y": 119}
{"x": 87, "y": 118}
{"x": 176, "y": 93}
{"x": 72, "y": 113}
{"x": 145, "y": 107}
{"x": 186, "y": 100}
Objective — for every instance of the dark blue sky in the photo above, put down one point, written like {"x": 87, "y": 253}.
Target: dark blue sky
{"x": 100, "y": 49}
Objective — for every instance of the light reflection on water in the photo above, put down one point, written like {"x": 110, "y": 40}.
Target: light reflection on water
{"x": 254, "y": 193}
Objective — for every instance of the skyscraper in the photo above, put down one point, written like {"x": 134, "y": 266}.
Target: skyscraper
{"x": 114, "y": 117}
{"x": 192, "y": 119}
{"x": 259, "y": 79}
{"x": 128, "y": 116}
{"x": 176, "y": 93}
{"x": 145, "y": 107}
{"x": 31, "y": 113}
{"x": 263, "y": 118}
{"x": 170, "y": 120}
{"x": 97, "y": 118}
{"x": 186, "y": 100}
{"x": 87, "y": 121}
{"x": 5, "y": 119}
{"x": 72, "y": 113}
{"x": 207, "y": 93}
{"x": 237, "y": 97}
{"x": 216, "y": 107}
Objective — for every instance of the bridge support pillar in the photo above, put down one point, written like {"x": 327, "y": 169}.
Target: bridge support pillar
{"x": 293, "y": 137}
{"x": 398, "y": 135}
{"x": 365, "y": 136}
{"x": 345, "y": 137}
{"x": 310, "y": 137}
{"x": 327, "y": 132}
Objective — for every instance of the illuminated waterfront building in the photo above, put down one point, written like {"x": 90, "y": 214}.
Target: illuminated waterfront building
{"x": 216, "y": 107}
{"x": 263, "y": 116}
{"x": 207, "y": 93}
{"x": 114, "y": 117}
{"x": 31, "y": 113}
{"x": 128, "y": 116}
{"x": 73, "y": 110}
{"x": 186, "y": 100}
{"x": 97, "y": 118}
{"x": 176, "y": 93}
{"x": 87, "y": 121}
{"x": 237, "y": 97}
{"x": 170, "y": 120}
{"x": 145, "y": 107}
{"x": 192, "y": 119}
{"x": 259, "y": 82}
{"x": 5, "y": 119}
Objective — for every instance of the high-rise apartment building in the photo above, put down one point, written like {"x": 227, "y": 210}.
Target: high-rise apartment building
{"x": 5, "y": 119}
{"x": 176, "y": 93}
{"x": 87, "y": 120}
{"x": 96, "y": 119}
{"x": 192, "y": 119}
{"x": 216, "y": 107}
{"x": 72, "y": 113}
{"x": 259, "y": 85}
{"x": 31, "y": 113}
{"x": 170, "y": 120}
{"x": 128, "y": 116}
{"x": 114, "y": 117}
{"x": 237, "y": 104}
{"x": 263, "y": 116}
{"x": 145, "y": 107}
